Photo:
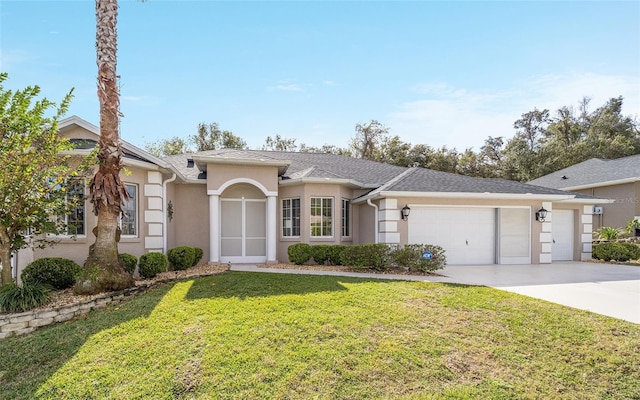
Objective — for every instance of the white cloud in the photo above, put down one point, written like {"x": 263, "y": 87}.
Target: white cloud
{"x": 462, "y": 118}
{"x": 288, "y": 88}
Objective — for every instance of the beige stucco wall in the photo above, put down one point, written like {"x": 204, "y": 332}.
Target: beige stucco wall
{"x": 77, "y": 248}
{"x": 625, "y": 207}
{"x": 219, "y": 174}
{"x": 540, "y": 232}
{"x": 190, "y": 224}
{"x": 305, "y": 192}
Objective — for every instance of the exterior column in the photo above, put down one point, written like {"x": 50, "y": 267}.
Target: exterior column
{"x": 546, "y": 238}
{"x": 153, "y": 213}
{"x": 272, "y": 230}
{"x": 586, "y": 236}
{"x": 214, "y": 228}
{"x": 389, "y": 216}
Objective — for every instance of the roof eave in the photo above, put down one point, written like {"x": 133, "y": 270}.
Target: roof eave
{"x": 202, "y": 161}
{"x": 602, "y": 184}
{"x": 336, "y": 181}
{"x": 466, "y": 195}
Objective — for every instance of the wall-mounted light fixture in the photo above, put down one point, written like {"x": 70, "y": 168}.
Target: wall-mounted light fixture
{"x": 405, "y": 212}
{"x": 541, "y": 215}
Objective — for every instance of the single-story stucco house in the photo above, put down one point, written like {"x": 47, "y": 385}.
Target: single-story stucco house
{"x": 249, "y": 206}
{"x": 617, "y": 179}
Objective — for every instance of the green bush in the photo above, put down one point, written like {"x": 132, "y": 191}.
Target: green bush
{"x": 181, "y": 258}
{"x": 375, "y": 256}
{"x": 611, "y": 251}
{"x": 129, "y": 262}
{"x": 320, "y": 253}
{"x": 198, "y": 256}
{"x": 299, "y": 253}
{"x": 59, "y": 273}
{"x": 633, "y": 250}
{"x": 335, "y": 254}
{"x": 410, "y": 256}
{"x": 151, "y": 264}
{"x": 14, "y": 298}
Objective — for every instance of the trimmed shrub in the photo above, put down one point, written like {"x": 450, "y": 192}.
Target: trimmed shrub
{"x": 410, "y": 256}
{"x": 320, "y": 253}
{"x": 59, "y": 273}
{"x": 129, "y": 262}
{"x": 375, "y": 256}
{"x": 611, "y": 251}
{"x": 181, "y": 258}
{"x": 151, "y": 264}
{"x": 633, "y": 250}
{"x": 14, "y": 298}
{"x": 299, "y": 253}
{"x": 198, "y": 254}
{"x": 335, "y": 254}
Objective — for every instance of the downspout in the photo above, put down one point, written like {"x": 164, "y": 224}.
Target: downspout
{"x": 375, "y": 220}
{"x": 164, "y": 212}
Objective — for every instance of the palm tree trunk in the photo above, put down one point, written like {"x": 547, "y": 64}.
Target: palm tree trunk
{"x": 102, "y": 269}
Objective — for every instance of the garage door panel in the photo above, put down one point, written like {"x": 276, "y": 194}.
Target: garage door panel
{"x": 466, "y": 234}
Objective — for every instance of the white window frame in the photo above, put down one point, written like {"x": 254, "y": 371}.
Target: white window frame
{"x": 82, "y": 204}
{"x": 290, "y": 218}
{"x": 345, "y": 219}
{"x": 323, "y": 200}
{"x": 136, "y": 212}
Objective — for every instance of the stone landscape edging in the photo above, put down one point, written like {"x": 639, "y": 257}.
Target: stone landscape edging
{"x": 26, "y": 322}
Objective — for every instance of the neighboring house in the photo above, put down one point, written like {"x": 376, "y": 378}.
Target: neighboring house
{"x": 617, "y": 180}
{"x": 249, "y": 206}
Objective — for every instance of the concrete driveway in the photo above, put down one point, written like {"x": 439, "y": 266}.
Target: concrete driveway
{"x": 612, "y": 290}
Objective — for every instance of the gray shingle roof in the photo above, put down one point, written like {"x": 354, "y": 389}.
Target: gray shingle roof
{"x": 370, "y": 174}
{"x": 592, "y": 172}
{"x": 303, "y": 165}
{"x": 426, "y": 180}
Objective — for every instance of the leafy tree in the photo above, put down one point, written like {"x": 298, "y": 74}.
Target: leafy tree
{"x": 368, "y": 140}
{"x": 167, "y": 147}
{"x": 395, "y": 152}
{"x": 33, "y": 173}
{"x": 279, "y": 143}
{"x": 102, "y": 269}
{"x": 492, "y": 157}
{"x": 211, "y": 137}
{"x": 325, "y": 148}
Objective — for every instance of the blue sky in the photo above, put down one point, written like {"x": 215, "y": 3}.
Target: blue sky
{"x": 437, "y": 73}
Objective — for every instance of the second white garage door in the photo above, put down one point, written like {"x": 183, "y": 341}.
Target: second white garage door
{"x": 466, "y": 233}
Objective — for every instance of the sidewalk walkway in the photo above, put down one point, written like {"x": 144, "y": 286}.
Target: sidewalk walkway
{"x": 612, "y": 290}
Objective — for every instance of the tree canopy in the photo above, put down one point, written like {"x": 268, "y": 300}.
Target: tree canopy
{"x": 35, "y": 170}
{"x": 543, "y": 142}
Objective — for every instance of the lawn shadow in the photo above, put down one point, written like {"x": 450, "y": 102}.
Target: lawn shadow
{"x": 28, "y": 361}
{"x": 263, "y": 284}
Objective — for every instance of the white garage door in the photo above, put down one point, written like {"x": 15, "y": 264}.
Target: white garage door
{"x": 466, "y": 234}
{"x": 562, "y": 227}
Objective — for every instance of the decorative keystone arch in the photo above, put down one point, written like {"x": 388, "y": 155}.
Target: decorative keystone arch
{"x": 214, "y": 218}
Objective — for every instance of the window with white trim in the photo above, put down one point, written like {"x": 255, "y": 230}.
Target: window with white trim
{"x": 74, "y": 220}
{"x": 321, "y": 216}
{"x": 129, "y": 219}
{"x": 291, "y": 217}
{"x": 346, "y": 218}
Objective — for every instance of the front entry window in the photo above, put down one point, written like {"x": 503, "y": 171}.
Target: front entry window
{"x": 291, "y": 217}
{"x": 321, "y": 216}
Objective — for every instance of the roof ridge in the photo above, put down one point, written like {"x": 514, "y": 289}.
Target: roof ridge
{"x": 396, "y": 179}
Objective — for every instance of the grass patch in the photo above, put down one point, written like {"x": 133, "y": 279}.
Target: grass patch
{"x": 258, "y": 336}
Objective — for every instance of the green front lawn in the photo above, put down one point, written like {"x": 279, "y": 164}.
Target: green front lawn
{"x": 264, "y": 336}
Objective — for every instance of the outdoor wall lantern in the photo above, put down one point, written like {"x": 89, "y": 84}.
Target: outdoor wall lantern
{"x": 541, "y": 215}
{"x": 405, "y": 212}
